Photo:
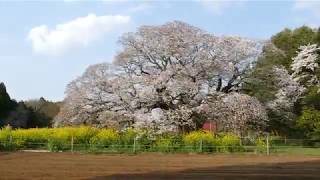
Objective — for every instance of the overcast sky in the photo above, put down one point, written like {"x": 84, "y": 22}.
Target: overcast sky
{"x": 45, "y": 44}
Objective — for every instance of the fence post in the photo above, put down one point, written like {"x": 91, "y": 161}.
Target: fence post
{"x": 10, "y": 142}
{"x": 200, "y": 145}
{"x": 285, "y": 140}
{"x": 48, "y": 141}
{"x": 268, "y": 147}
{"x": 134, "y": 145}
{"x": 72, "y": 144}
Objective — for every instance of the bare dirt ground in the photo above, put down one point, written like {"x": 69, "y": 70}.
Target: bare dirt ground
{"x": 41, "y": 165}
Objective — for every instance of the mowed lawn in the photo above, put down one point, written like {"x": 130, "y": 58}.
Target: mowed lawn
{"x": 31, "y": 165}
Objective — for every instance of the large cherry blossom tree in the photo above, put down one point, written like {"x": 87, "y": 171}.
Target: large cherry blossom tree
{"x": 162, "y": 79}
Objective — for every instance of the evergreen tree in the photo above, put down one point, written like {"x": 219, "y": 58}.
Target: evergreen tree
{"x": 5, "y": 102}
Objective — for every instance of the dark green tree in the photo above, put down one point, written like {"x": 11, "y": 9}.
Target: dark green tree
{"x": 309, "y": 122}
{"x": 6, "y": 104}
{"x": 290, "y": 40}
{"x": 261, "y": 82}
{"x": 19, "y": 117}
{"x": 43, "y": 112}
{"x": 5, "y": 101}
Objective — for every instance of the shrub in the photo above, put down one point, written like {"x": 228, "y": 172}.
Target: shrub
{"x": 106, "y": 138}
{"x": 82, "y": 135}
{"x": 25, "y": 138}
{"x": 229, "y": 143}
{"x": 19, "y": 138}
{"x": 32, "y": 136}
{"x": 128, "y": 136}
{"x": 163, "y": 145}
{"x": 6, "y": 139}
{"x": 309, "y": 121}
{"x": 199, "y": 141}
{"x": 144, "y": 140}
{"x": 261, "y": 145}
{"x": 60, "y": 139}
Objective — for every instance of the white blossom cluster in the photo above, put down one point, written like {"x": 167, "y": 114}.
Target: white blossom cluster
{"x": 289, "y": 91}
{"x": 236, "y": 112}
{"x": 305, "y": 64}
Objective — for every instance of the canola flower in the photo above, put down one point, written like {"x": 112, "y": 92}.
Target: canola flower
{"x": 61, "y": 139}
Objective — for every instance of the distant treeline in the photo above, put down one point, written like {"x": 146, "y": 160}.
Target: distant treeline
{"x": 26, "y": 114}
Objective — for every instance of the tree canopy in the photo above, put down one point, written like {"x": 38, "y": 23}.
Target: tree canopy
{"x": 163, "y": 78}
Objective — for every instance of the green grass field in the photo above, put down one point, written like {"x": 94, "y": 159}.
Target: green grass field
{"x": 290, "y": 150}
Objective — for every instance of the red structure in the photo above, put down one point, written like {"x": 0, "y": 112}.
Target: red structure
{"x": 210, "y": 126}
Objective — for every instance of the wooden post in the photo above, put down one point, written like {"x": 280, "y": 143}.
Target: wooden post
{"x": 268, "y": 148}
{"x": 200, "y": 148}
{"x": 10, "y": 141}
{"x": 134, "y": 145}
{"x": 72, "y": 144}
{"x": 285, "y": 140}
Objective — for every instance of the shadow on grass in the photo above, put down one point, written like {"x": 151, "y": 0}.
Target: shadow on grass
{"x": 278, "y": 171}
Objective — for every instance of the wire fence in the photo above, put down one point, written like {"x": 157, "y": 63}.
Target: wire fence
{"x": 266, "y": 146}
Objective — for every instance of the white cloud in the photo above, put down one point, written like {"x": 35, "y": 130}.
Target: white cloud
{"x": 78, "y": 32}
{"x": 218, "y": 7}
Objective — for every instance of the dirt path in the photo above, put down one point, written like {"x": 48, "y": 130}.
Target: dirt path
{"x": 28, "y": 165}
